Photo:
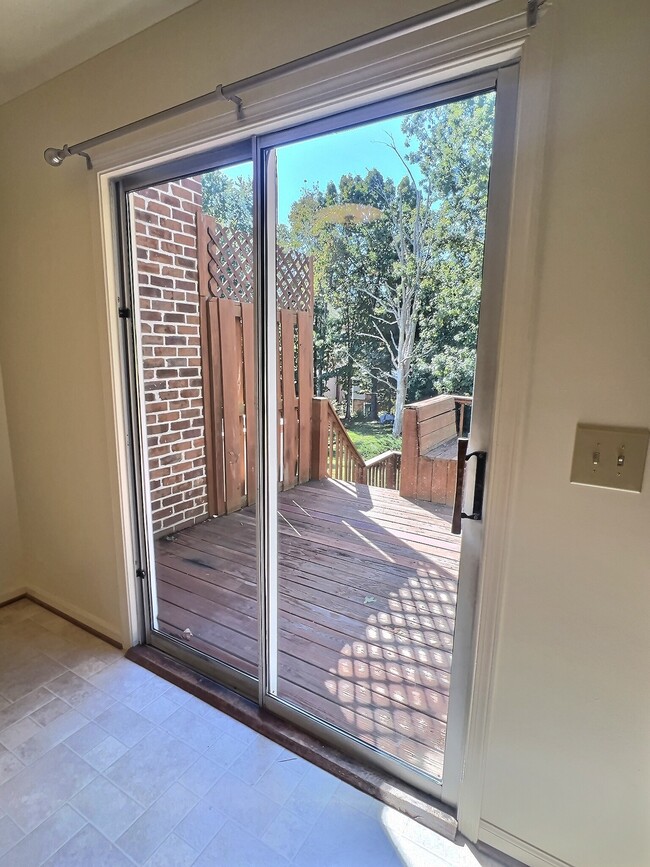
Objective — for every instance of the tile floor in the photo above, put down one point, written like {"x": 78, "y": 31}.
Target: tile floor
{"x": 104, "y": 763}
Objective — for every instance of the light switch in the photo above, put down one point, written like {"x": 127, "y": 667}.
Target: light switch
{"x": 610, "y": 457}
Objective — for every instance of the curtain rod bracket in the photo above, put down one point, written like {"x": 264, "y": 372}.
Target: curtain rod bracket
{"x": 532, "y": 12}
{"x": 232, "y": 97}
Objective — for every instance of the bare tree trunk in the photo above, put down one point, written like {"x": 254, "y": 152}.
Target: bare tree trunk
{"x": 348, "y": 393}
{"x": 348, "y": 370}
{"x": 400, "y": 399}
{"x": 403, "y": 301}
{"x": 407, "y": 325}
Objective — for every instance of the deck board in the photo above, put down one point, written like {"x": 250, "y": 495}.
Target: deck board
{"x": 366, "y": 608}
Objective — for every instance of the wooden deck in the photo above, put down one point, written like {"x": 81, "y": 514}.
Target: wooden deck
{"x": 366, "y": 609}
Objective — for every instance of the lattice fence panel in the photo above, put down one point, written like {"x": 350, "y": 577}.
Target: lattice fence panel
{"x": 294, "y": 279}
{"x": 230, "y": 269}
{"x": 230, "y": 263}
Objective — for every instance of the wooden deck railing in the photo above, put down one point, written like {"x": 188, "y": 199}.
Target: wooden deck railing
{"x": 464, "y": 410}
{"x": 335, "y": 456}
{"x": 429, "y": 436}
{"x": 383, "y": 471}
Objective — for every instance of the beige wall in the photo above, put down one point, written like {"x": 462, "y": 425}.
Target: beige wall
{"x": 568, "y": 748}
{"x": 11, "y": 578}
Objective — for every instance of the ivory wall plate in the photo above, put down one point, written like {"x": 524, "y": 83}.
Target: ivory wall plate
{"x": 610, "y": 457}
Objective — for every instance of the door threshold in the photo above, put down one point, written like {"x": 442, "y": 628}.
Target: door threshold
{"x": 425, "y": 810}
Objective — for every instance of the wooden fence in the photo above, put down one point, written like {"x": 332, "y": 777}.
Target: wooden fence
{"x": 228, "y": 351}
{"x": 313, "y": 443}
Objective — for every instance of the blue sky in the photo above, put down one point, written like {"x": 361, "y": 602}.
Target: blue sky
{"x": 326, "y": 158}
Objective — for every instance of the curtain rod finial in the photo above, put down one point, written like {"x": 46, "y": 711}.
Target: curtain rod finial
{"x": 55, "y": 156}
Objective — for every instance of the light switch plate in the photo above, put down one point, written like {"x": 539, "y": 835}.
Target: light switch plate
{"x": 610, "y": 457}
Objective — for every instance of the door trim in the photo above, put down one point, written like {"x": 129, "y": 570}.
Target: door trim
{"x": 266, "y": 399}
{"x": 504, "y": 81}
{"x": 514, "y": 372}
{"x": 515, "y": 356}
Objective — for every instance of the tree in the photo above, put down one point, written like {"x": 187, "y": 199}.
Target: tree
{"x": 368, "y": 238}
{"x": 399, "y": 300}
{"x": 229, "y": 200}
{"x": 342, "y": 229}
{"x": 452, "y": 147}
{"x": 397, "y": 294}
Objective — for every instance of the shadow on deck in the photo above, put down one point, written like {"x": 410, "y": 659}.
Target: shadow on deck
{"x": 367, "y": 599}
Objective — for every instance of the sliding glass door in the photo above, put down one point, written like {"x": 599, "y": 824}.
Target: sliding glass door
{"x": 193, "y": 305}
{"x": 373, "y": 379}
{"x": 305, "y": 364}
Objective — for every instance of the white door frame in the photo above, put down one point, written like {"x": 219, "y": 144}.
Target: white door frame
{"x": 475, "y": 52}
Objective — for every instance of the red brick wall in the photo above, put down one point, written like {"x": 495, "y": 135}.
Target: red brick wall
{"x": 166, "y": 257}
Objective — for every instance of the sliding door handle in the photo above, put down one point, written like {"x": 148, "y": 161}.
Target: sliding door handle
{"x": 479, "y": 486}
{"x": 460, "y": 476}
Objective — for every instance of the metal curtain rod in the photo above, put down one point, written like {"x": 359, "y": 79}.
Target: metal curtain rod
{"x": 56, "y": 156}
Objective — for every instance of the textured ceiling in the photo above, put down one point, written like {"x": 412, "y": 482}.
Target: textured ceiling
{"x": 40, "y": 39}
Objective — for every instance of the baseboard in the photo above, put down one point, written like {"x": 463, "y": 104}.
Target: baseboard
{"x": 94, "y": 625}
{"x": 519, "y": 849}
{"x": 13, "y": 595}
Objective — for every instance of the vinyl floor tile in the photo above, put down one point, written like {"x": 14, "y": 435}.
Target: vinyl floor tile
{"x": 103, "y": 764}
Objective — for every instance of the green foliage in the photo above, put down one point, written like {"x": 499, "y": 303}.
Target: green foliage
{"x": 229, "y": 200}
{"x": 452, "y": 146}
{"x": 346, "y": 214}
{"x": 372, "y": 438}
{"x": 387, "y": 253}
{"x": 453, "y": 370}
{"x": 346, "y": 232}
{"x": 421, "y": 382}
{"x": 374, "y": 241}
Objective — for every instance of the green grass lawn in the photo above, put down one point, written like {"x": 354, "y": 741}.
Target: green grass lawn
{"x": 372, "y": 438}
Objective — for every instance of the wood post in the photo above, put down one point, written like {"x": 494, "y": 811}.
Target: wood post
{"x": 305, "y": 393}
{"x": 213, "y": 442}
{"x": 289, "y": 400}
{"x": 319, "y": 438}
{"x": 410, "y": 452}
{"x": 390, "y": 472}
{"x": 232, "y": 364}
{"x": 248, "y": 340}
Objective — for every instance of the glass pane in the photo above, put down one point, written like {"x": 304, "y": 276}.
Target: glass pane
{"x": 194, "y": 287}
{"x": 380, "y": 234}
